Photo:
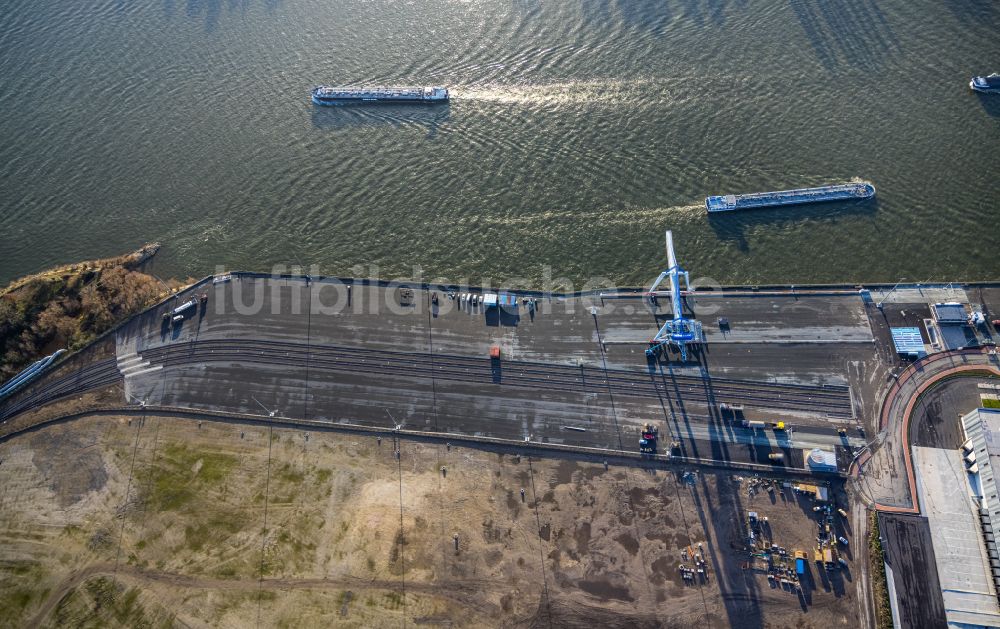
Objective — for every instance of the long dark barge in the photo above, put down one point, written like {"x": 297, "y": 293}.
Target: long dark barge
{"x": 329, "y": 95}
{"x": 836, "y": 192}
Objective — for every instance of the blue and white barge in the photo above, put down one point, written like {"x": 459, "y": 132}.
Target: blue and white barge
{"x": 989, "y": 83}
{"x": 837, "y": 192}
{"x": 330, "y": 95}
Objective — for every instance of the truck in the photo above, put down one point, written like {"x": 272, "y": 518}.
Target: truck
{"x": 181, "y": 309}
{"x": 828, "y": 559}
{"x": 776, "y": 457}
{"x": 754, "y": 424}
{"x": 800, "y": 562}
{"x": 647, "y": 439}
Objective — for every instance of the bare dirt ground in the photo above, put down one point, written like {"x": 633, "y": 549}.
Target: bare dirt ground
{"x": 170, "y": 522}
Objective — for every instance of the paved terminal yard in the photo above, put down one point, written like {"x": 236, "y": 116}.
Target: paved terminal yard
{"x": 571, "y": 370}
{"x": 558, "y": 372}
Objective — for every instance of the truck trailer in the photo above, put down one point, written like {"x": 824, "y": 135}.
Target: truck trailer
{"x": 187, "y": 305}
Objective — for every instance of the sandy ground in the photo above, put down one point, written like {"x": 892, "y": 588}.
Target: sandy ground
{"x": 168, "y": 522}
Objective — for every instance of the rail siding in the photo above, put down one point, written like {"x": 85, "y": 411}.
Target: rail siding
{"x": 523, "y": 447}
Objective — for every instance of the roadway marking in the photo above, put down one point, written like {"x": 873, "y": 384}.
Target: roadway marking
{"x": 138, "y": 373}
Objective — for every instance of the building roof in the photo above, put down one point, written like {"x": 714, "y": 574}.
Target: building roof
{"x": 819, "y": 459}
{"x": 908, "y": 341}
{"x": 950, "y": 312}
{"x": 982, "y": 429}
{"x": 914, "y": 586}
{"x": 963, "y": 563}
{"x": 982, "y": 456}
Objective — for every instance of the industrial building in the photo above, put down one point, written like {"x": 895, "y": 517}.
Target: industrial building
{"x": 959, "y": 494}
{"x": 964, "y": 556}
{"x": 950, "y": 313}
{"x": 981, "y": 452}
{"x": 819, "y": 460}
{"x": 951, "y": 327}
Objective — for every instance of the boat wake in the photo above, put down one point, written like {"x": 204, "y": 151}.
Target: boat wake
{"x": 626, "y": 216}
{"x": 610, "y": 92}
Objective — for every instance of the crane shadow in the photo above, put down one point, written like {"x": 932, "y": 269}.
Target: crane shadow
{"x": 858, "y": 36}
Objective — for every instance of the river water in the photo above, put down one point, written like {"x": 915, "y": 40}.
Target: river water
{"x": 578, "y": 132}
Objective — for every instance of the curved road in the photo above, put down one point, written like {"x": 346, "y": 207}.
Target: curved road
{"x": 885, "y": 474}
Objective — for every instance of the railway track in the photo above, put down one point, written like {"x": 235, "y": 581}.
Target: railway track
{"x": 834, "y": 401}
{"x": 831, "y": 400}
{"x": 99, "y": 374}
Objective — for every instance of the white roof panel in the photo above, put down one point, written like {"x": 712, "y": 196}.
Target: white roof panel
{"x": 959, "y": 550}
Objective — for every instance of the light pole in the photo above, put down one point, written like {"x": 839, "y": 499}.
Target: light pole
{"x": 886, "y": 296}
{"x": 269, "y": 412}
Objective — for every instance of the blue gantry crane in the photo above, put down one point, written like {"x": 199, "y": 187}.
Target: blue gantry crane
{"x": 678, "y": 331}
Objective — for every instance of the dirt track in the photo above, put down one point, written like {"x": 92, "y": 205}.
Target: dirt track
{"x": 463, "y": 593}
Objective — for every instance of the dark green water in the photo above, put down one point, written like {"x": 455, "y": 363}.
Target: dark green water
{"x": 580, "y": 130}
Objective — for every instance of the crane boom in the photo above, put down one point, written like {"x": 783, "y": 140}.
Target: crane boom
{"x": 679, "y": 331}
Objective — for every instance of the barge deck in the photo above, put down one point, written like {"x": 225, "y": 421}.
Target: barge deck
{"x": 836, "y": 192}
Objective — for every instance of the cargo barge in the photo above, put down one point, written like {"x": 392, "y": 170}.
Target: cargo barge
{"x": 837, "y": 192}
{"x": 328, "y": 95}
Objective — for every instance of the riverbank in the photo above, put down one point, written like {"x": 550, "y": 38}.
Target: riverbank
{"x": 71, "y": 305}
